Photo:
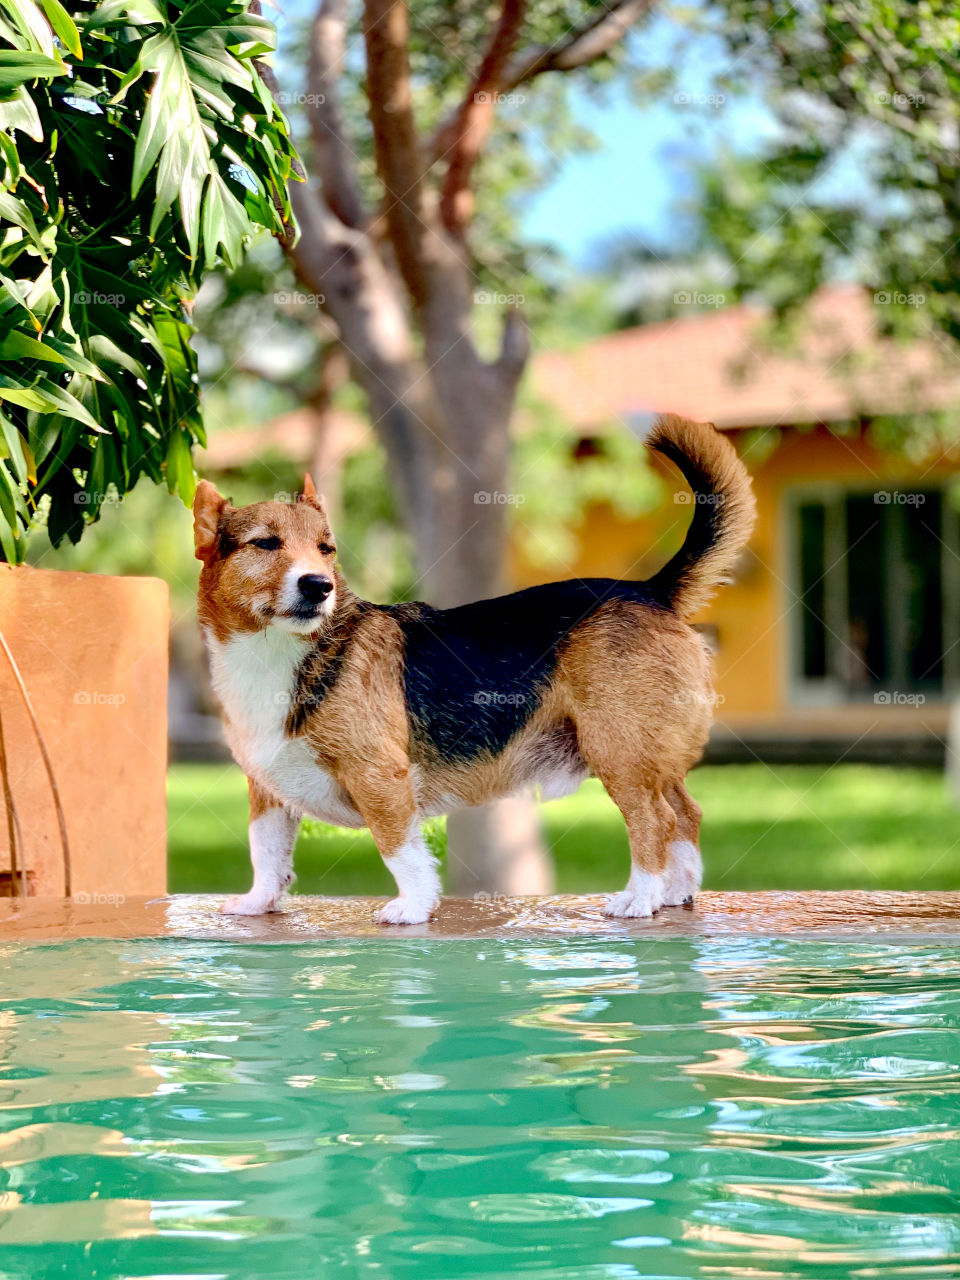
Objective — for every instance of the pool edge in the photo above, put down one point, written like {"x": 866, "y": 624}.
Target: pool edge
{"x": 836, "y": 913}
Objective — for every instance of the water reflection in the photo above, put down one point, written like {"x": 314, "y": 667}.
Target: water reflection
{"x": 565, "y": 1107}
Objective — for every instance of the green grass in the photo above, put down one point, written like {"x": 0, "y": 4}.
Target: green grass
{"x": 795, "y": 827}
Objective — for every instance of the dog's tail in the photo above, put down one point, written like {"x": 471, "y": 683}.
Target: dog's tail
{"x": 724, "y": 510}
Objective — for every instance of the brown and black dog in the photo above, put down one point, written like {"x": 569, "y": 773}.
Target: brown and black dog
{"x": 383, "y": 715}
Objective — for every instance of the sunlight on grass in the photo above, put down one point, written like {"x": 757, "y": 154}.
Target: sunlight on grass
{"x": 794, "y": 827}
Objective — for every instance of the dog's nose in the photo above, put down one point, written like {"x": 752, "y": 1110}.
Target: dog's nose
{"x": 314, "y": 587}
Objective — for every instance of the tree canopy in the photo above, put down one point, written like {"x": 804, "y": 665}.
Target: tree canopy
{"x": 863, "y": 177}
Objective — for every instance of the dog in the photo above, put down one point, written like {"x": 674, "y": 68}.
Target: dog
{"x": 380, "y": 716}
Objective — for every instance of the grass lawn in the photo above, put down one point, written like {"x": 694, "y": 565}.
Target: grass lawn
{"x": 793, "y": 827}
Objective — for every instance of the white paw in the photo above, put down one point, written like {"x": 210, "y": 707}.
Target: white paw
{"x": 249, "y": 904}
{"x": 683, "y": 875}
{"x": 406, "y": 911}
{"x": 643, "y": 896}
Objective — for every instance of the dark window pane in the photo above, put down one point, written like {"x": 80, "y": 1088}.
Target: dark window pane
{"x": 923, "y": 591}
{"x": 813, "y": 590}
{"x": 866, "y": 653}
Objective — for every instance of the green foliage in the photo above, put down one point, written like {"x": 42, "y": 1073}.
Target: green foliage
{"x": 553, "y": 482}
{"x": 138, "y": 146}
{"x": 864, "y": 176}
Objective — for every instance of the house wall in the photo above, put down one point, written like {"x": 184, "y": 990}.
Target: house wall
{"x": 751, "y": 620}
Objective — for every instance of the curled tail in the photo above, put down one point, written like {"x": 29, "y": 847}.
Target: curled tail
{"x": 724, "y": 510}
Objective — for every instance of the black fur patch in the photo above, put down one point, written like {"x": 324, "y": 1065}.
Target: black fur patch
{"x": 474, "y": 675}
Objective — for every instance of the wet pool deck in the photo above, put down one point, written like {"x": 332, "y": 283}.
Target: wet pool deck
{"x": 304, "y": 918}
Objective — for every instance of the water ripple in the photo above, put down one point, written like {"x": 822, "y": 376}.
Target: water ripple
{"x": 579, "y": 1108}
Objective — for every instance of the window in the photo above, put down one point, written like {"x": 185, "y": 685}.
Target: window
{"x": 878, "y": 578}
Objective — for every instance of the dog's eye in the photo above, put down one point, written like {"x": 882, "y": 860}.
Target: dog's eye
{"x": 326, "y": 549}
{"x": 266, "y": 544}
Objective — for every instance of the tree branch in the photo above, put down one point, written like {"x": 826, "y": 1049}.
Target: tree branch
{"x": 386, "y": 30}
{"x": 472, "y": 121}
{"x": 335, "y": 159}
{"x": 584, "y": 45}
{"x": 580, "y": 47}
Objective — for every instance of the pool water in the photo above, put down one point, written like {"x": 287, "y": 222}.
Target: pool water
{"x": 593, "y": 1109}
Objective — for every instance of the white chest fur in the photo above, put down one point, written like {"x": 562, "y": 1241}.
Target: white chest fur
{"x": 255, "y": 678}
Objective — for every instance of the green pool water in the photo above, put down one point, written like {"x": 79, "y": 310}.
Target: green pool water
{"x": 591, "y": 1109}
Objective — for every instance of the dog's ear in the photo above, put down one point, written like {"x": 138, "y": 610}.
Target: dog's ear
{"x": 310, "y": 495}
{"x": 208, "y": 507}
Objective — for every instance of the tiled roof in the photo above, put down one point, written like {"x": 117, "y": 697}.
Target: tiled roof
{"x": 721, "y": 367}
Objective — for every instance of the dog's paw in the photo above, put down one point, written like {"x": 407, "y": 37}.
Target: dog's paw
{"x": 683, "y": 874}
{"x": 249, "y": 904}
{"x": 643, "y": 896}
{"x": 405, "y": 911}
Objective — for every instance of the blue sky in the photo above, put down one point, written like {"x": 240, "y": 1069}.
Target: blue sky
{"x": 641, "y": 179}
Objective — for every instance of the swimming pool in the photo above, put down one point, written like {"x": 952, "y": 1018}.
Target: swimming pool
{"x": 591, "y": 1108}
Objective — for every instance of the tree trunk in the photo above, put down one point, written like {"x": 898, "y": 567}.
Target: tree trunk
{"x": 443, "y": 416}
{"x": 498, "y": 847}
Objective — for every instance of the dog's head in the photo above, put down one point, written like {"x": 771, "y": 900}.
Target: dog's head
{"x": 272, "y": 564}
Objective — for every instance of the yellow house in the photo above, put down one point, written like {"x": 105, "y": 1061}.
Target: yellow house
{"x": 841, "y": 634}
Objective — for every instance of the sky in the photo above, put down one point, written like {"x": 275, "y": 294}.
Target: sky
{"x": 643, "y": 171}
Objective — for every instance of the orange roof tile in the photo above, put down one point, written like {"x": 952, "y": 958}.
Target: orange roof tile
{"x": 721, "y": 367}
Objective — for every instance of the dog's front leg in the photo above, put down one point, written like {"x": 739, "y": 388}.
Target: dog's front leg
{"x": 273, "y": 831}
{"x": 386, "y": 801}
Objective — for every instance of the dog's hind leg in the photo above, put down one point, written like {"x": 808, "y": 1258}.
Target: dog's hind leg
{"x": 651, "y": 824}
{"x": 685, "y": 865}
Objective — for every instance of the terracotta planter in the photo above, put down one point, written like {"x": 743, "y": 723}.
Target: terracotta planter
{"x": 92, "y": 653}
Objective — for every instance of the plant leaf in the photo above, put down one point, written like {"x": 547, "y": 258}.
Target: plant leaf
{"x": 18, "y": 68}
{"x": 63, "y": 26}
